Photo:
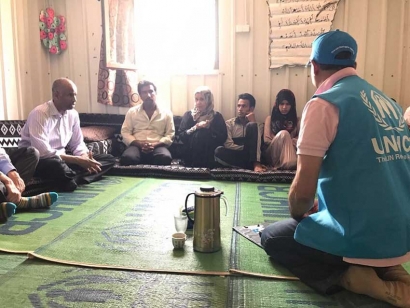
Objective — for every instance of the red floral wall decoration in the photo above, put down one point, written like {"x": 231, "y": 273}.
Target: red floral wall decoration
{"x": 52, "y": 30}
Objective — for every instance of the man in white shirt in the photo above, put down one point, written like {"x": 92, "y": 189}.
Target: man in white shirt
{"x": 54, "y": 126}
{"x": 147, "y": 130}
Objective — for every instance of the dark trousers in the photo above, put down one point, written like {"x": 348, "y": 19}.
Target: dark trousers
{"x": 134, "y": 156}
{"x": 246, "y": 157}
{"x": 25, "y": 161}
{"x": 54, "y": 168}
{"x": 319, "y": 270}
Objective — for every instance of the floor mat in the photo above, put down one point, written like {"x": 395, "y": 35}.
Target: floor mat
{"x": 27, "y": 231}
{"x": 262, "y": 203}
{"x": 37, "y": 283}
{"x": 9, "y": 261}
{"x": 269, "y": 205}
{"x": 255, "y": 292}
{"x": 134, "y": 232}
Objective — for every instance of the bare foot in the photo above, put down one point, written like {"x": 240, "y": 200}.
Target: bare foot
{"x": 258, "y": 167}
{"x": 393, "y": 273}
{"x": 364, "y": 280}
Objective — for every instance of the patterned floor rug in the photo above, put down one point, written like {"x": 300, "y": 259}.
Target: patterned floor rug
{"x": 125, "y": 223}
{"x": 37, "y": 283}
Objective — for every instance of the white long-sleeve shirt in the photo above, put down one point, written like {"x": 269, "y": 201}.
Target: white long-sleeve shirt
{"x": 137, "y": 126}
{"x": 50, "y": 132}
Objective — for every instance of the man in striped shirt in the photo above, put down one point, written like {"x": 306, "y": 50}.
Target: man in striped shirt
{"x": 54, "y": 126}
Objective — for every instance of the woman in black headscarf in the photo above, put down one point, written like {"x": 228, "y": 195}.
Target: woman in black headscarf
{"x": 281, "y": 132}
{"x": 202, "y": 130}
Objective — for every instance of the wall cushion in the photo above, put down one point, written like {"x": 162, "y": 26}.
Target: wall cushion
{"x": 97, "y": 133}
{"x": 100, "y": 147}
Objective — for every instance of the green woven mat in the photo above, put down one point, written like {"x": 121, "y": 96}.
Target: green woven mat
{"x": 37, "y": 283}
{"x": 261, "y": 203}
{"x": 9, "y": 261}
{"x": 27, "y": 231}
{"x": 133, "y": 230}
{"x": 256, "y": 292}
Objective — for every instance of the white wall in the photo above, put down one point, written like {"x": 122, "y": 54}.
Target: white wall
{"x": 27, "y": 70}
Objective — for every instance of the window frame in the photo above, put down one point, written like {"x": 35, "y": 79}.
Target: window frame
{"x": 111, "y": 64}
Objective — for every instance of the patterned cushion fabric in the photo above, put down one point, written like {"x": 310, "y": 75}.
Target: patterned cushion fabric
{"x": 244, "y": 175}
{"x": 173, "y": 171}
{"x": 219, "y": 174}
{"x": 100, "y": 147}
{"x": 97, "y": 133}
{"x": 10, "y": 134}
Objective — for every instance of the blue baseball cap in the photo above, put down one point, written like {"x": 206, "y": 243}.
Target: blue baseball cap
{"x": 327, "y": 45}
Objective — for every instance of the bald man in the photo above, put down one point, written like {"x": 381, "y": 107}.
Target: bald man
{"x": 54, "y": 127}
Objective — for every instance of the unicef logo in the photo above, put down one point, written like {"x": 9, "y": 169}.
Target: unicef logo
{"x": 384, "y": 109}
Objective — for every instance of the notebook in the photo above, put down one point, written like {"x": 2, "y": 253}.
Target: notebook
{"x": 252, "y": 232}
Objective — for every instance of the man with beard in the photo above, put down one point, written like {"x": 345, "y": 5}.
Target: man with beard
{"x": 148, "y": 130}
{"x": 242, "y": 148}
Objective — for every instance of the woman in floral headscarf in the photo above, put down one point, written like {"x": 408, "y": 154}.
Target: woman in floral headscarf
{"x": 281, "y": 132}
{"x": 202, "y": 130}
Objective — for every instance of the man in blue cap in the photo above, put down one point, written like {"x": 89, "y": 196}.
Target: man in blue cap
{"x": 354, "y": 152}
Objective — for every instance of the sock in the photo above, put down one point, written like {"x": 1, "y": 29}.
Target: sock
{"x": 40, "y": 201}
{"x": 7, "y": 209}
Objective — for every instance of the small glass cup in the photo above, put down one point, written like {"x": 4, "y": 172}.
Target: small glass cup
{"x": 181, "y": 222}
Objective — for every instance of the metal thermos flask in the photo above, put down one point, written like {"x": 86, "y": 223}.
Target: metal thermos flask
{"x": 207, "y": 220}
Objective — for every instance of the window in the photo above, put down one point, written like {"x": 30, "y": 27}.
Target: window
{"x": 176, "y": 37}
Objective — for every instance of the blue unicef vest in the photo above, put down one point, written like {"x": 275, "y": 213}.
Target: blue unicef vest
{"x": 364, "y": 182}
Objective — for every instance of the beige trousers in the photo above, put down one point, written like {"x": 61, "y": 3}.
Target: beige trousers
{"x": 281, "y": 152}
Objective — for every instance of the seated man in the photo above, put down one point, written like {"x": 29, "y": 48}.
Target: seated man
{"x": 357, "y": 235}
{"x": 54, "y": 126}
{"x": 147, "y": 130}
{"x": 15, "y": 171}
{"x": 242, "y": 148}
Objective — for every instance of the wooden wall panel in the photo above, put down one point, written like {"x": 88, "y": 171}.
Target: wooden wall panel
{"x": 381, "y": 28}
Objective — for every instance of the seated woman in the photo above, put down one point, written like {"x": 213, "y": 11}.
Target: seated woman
{"x": 281, "y": 132}
{"x": 202, "y": 130}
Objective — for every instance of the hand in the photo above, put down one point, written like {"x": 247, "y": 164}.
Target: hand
{"x": 258, "y": 167}
{"x": 13, "y": 194}
{"x": 90, "y": 164}
{"x": 251, "y": 117}
{"x": 17, "y": 180}
{"x": 314, "y": 209}
{"x": 137, "y": 143}
{"x": 148, "y": 147}
{"x": 202, "y": 124}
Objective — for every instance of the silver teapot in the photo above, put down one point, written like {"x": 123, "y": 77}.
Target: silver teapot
{"x": 207, "y": 222}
